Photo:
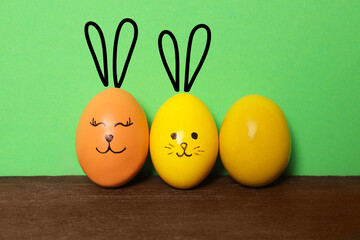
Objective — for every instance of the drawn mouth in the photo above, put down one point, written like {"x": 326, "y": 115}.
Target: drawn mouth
{"x": 109, "y": 149}
{"x": 183, "y": 154}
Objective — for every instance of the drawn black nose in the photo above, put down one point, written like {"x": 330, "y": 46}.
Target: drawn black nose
{"x": 183, "y": 145}
{"x": 109, "y": 137}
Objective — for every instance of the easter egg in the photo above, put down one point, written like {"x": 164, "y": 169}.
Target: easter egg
{"x": 112, "y": 138}
{"x": 255, "y": 141}
{"x": 183, "y": 141}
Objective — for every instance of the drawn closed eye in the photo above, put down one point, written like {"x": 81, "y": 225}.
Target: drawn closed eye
{"x": 94, "y": 123}
{"x": 127, "y": 124}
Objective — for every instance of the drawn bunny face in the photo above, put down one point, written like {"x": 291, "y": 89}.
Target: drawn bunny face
{"x": 183, "y": 146}
{"x": 183, "y": 137}
{"x": 112, "y": 136}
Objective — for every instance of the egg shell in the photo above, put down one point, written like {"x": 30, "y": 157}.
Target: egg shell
{"x": 183, "y": 162}
{"x": 112, "y": 106}
{"x": 255, "y": 141}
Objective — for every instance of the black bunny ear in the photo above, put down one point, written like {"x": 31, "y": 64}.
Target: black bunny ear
{"x": 175, "y": 82}
{"x": 104, "y": 77}
{"x": 117, "y": 83}
{"x": 187, "y": 67}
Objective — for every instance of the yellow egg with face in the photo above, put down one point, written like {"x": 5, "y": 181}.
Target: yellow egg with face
{"x": 255, "y": 141}
{"x": 183, "y": 141}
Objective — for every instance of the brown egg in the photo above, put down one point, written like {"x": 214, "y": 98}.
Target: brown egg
{"x": 112, "y": 138}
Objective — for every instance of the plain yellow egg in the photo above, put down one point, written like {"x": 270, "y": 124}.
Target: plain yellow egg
{"x": 183, "y": 141}
{"x": 255, "y": 141}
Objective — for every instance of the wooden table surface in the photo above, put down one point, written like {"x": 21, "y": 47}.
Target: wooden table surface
{"x": 72, "y": 207}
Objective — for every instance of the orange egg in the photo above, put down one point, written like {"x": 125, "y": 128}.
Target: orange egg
{"x": 112, "y": 138}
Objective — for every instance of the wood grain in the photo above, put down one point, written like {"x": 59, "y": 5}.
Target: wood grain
{"x": 72, "y": 207}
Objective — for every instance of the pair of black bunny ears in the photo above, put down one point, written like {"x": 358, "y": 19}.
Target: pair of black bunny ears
{"x": 175, "y": 81}
{"x": 104, "y": 76}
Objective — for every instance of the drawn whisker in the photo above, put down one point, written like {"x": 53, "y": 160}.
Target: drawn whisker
{"x": 167, "y": 147}
{"x": 170, "y": 153}
{"x": 171, "y": 145}
{"x": 196, "y": 147}
{"x": 200, "y": 150}
{"x": 196, "y": 154}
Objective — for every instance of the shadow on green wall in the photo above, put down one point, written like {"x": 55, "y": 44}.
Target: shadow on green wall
{"x": 292, "y": 166}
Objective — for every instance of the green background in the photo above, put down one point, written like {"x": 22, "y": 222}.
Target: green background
{"x": 304, "y": 55}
